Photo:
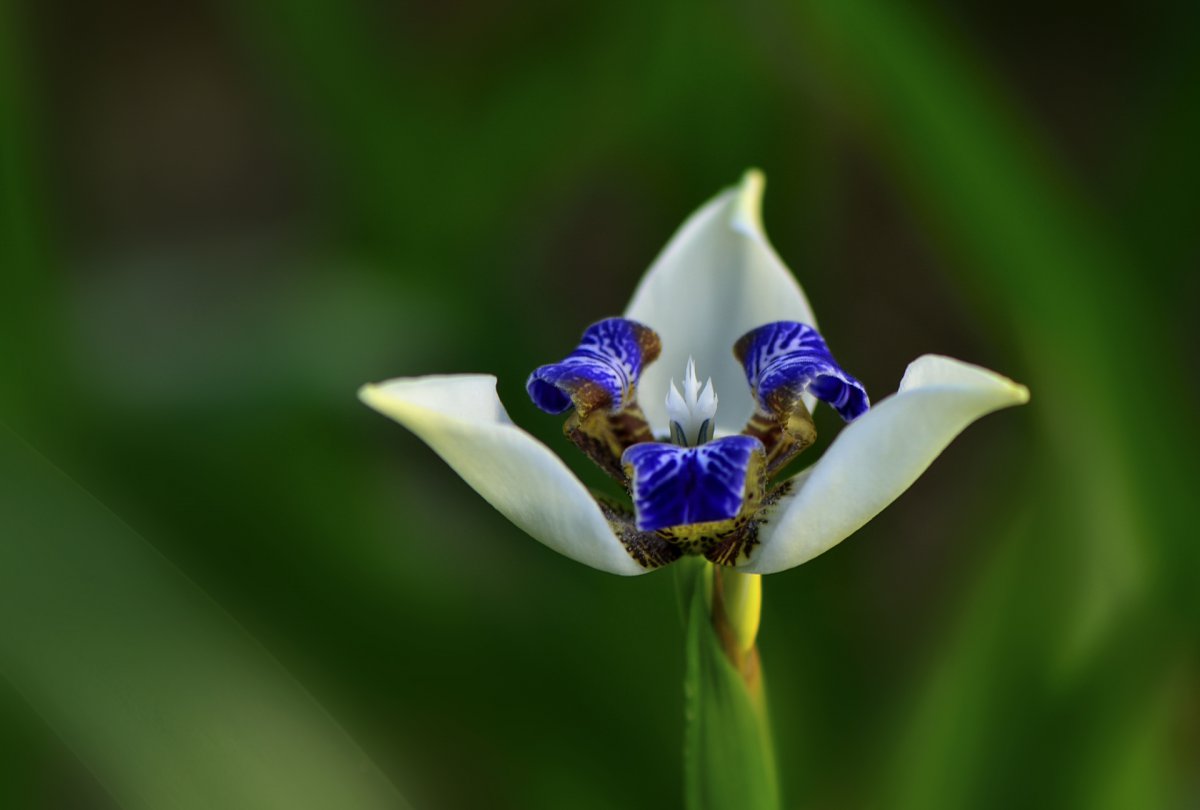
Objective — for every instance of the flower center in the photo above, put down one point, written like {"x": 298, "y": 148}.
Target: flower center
{"x": 692, "y": 413}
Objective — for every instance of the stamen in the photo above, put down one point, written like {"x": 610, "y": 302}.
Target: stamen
{"x": 693, "y": 413}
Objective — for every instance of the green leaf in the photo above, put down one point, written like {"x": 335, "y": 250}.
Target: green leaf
{"x": 728, "y": 757}
{"x": 160, "y": 694}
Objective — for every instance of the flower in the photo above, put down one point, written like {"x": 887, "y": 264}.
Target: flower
{"x": 720, "y": 300}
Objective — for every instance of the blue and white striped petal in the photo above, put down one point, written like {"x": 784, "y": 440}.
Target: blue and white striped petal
{"x": 677, "y": 486}
{"x": 786, "y": 359}
{"x": 602, "y": 371}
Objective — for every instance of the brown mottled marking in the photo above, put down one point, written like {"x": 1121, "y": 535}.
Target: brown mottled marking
{"x": 648, "y": 549}
{"x": 742, "y": 540}
{"x": 604, "y": 436}
{"x": 785, "y": 429}
{"x": 648, "y": 341}
{"x": 728, "y": 547}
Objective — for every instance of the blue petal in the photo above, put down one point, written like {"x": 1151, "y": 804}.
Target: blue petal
{"x": 675, "y": 486}
{"x": 792, "y": 357}
{"x": 603, "y": 370}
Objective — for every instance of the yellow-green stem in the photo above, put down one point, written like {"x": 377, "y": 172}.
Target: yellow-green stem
{"x": 736, "y": 610}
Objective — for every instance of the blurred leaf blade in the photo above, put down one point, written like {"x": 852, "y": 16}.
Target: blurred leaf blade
{"x": 161, "y": 695}
{"x": 28, "y": 318}
{"x": 978, "y": 170}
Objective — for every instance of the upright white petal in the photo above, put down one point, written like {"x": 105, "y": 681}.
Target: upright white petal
{"x": 878, "y": 456}
{"x": 461, "y": 418}
{"x": 716, "y": 279}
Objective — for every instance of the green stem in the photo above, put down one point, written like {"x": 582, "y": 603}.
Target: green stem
{"x": 729, "y": 760}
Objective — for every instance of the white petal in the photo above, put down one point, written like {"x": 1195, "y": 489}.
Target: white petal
{"x": 878, "y": 456}
{"x": 716, "y": 279}
{"x": 461, "y": 418}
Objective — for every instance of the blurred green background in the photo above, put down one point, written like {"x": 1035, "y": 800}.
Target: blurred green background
{"x": 219, "y": 219}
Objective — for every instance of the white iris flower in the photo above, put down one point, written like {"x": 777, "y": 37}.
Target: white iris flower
{"x": 700, "y": 477}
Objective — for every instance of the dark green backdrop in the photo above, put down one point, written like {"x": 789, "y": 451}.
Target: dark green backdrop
{"x": 220, "y": 218}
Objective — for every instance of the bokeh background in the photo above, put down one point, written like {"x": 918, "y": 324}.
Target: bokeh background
{"x": 219, "y": 219}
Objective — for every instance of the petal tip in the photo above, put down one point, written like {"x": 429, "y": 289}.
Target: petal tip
{"x": 747, "y": 212}
{"x": 1020, "y": 393}
{"x": 368, "y": 394}
{"x": 754, "y": 178}
{"x": 936, "y": 369}
{"x": 461, "y": 396}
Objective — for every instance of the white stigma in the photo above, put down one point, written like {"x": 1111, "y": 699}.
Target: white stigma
{"x": 692, "y": 413}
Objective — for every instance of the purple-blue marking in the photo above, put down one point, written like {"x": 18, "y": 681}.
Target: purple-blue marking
{"x": 675, "y": 486}
{"x": 793, "y": 356}
{"x": 609, "y": 355}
